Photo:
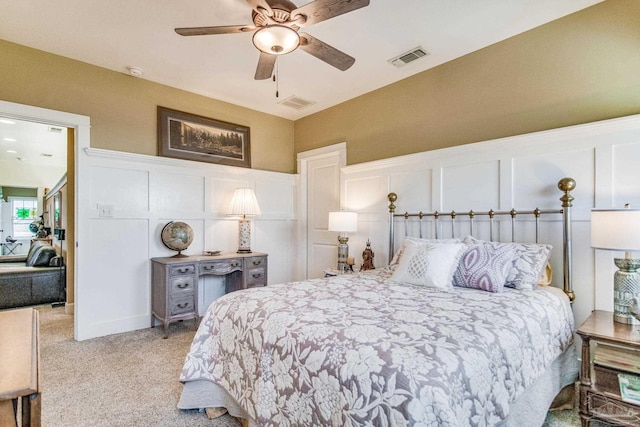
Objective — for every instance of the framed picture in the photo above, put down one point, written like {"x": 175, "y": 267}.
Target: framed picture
{"x": 191, "y": 137}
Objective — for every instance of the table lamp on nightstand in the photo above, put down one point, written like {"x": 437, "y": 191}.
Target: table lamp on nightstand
{"x": 343, "y": 222}
{"x": 619, "y": 230}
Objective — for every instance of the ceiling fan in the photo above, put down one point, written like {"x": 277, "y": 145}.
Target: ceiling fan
{"x": 277, "y": 24}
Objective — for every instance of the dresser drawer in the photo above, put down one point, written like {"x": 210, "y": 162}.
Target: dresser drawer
{"x": 176, "y": 270}
{"x": 258, "y": 261}
{"x": 256, "y": 277}
{"x": 181, "y": 305}
{"x": 221, "y": 267}
{"x": 182, "y": 284}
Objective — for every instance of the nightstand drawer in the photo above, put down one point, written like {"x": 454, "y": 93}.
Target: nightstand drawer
{"x": 182, "y": 284}
{"x": 176, "y": 270}
{"x": 613, "y": 410}
{"x": 182, "y": 305}
{"x": 221, "y": 267}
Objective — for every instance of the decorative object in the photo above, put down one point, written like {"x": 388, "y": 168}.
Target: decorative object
{"x": 367, "y": 258}
{"x": 343, "y": 222}
{"x": 244, "y": 203}
{"x": 619, "y": 230}
{"x": 177, "y": 236}
{"x": 191, "y": 137}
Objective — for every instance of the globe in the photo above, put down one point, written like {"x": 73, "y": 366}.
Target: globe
{"x": 177, "y": 236}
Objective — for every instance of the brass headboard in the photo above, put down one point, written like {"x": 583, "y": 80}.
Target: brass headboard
{"x": 566, "y": 185}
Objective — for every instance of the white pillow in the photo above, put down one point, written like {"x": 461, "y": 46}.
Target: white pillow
{"x": 430, "y": 264}
{"x": 418, "y": 241}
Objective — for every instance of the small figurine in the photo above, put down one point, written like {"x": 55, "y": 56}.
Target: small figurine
{"x": 367, "y": 258}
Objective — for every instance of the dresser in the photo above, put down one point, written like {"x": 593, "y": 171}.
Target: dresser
{"x": 174, "y": 281}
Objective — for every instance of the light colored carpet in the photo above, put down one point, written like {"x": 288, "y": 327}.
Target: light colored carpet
{"x": 129, "y": 379}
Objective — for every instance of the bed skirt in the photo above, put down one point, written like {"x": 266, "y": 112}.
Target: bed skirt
{"x": 530, "y": 409}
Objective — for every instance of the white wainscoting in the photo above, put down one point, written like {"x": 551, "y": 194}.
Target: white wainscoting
{"x": 519, "y": 172}
{"x": 146, "y": 192}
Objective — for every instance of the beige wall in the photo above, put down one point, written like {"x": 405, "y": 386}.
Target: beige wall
{"x": 582, "y": 68}
{"x": 123, "y": 108}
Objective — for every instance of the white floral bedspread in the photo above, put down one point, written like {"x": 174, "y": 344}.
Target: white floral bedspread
{"x": 362, "y": 350}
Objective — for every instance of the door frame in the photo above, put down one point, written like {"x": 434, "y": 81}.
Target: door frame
{"x": 81, "y": 126}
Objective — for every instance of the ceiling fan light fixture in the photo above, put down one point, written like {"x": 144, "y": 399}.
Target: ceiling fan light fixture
{"x": 276, "y": 39}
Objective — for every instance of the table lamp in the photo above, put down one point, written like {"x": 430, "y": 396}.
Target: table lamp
{"x": 244, "y": 204}
{"x": 619, "y": 230}
{"x": 343, "y": 222}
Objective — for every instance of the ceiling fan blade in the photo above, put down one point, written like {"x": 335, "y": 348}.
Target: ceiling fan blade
{"x": 203, "y": 31}
{"x": 265, "y": 66}
{"x": 321, "y": 10}
{"x": 326, "y": 53}
{"x": 260, "y": 4}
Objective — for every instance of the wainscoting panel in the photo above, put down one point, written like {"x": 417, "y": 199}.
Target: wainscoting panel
{"x": 124, "y": 189}
{"x": 518, "y": 172}
{"x": 472, "y": 185}
{"x": 178, "y": 193}
{"x": 147, "y": 192}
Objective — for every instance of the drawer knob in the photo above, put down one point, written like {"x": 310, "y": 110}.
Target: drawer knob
{"x": 257, "y": 262}
{"x": 183, "y": 285}
{"x": 183, "y": 270}
{"x": 235, "y": 264}
{"x": 183, "y": 305}
{"x": 256, "y": 275}
{"x": 208, "y": 267}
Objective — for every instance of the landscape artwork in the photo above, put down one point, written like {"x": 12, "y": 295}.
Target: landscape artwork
{"x": 187, "y": 136}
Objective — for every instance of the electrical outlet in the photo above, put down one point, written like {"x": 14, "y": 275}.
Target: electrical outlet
{"x": 105, "y": 211}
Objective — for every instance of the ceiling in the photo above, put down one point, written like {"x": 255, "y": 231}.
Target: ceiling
{"x": 117, "y": 34}
{"x": 32, "y": 144}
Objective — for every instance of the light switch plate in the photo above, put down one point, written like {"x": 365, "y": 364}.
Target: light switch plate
{"x": 105, "y": 211}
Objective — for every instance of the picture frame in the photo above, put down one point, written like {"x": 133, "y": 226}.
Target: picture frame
{"x": 191, "y": 137}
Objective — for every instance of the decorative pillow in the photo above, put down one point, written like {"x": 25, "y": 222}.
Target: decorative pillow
{"x": 431, "y": 264}
{"x": 547, "y": 276}
{"x": 484, "y": 266}
{"x": 418, "y": 241}
{"x": 528, "y": 266}
{"x": 40, "y": 256}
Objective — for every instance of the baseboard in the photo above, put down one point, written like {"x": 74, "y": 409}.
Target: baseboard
{"x": 69, "y": 308}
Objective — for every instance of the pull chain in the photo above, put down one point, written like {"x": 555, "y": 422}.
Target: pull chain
{"x": 276, "y": 79}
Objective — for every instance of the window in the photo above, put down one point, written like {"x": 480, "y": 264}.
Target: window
{"x": 24, "y": 212}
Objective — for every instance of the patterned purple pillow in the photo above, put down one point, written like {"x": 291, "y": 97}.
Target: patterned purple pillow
{"x": 484, "y": 266}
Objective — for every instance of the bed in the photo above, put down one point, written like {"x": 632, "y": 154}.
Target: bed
{"x": 399, "y": 345}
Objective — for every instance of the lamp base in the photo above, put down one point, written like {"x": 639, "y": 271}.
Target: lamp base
{"x": 626, "y": 285}
{"x": 244, "y": 236}
{"x": 343, "y": 254}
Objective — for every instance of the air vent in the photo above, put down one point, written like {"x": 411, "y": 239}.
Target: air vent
{"x": 55, "y": 129}
{"x": 410, "y": 56}
{"x": 296, "y": 103}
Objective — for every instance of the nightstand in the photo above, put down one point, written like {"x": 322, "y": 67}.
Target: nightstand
{"x": 599, "y": 388}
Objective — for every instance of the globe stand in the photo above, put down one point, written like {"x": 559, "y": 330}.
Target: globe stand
{"x": 179, "y": 255}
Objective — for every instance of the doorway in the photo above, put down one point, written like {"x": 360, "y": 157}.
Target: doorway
{"x": 77, "y": 128}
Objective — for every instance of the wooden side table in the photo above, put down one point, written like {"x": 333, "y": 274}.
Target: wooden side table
{"x": 19, "y": 368}
{"x": 599, "y": 388}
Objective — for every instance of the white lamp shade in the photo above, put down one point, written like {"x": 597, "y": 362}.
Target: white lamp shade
{"x": 615, "y": 229}
{"x": 343, "y": 222}
{"x": 244, "y": 203}
{"x": 276, "y": 39}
